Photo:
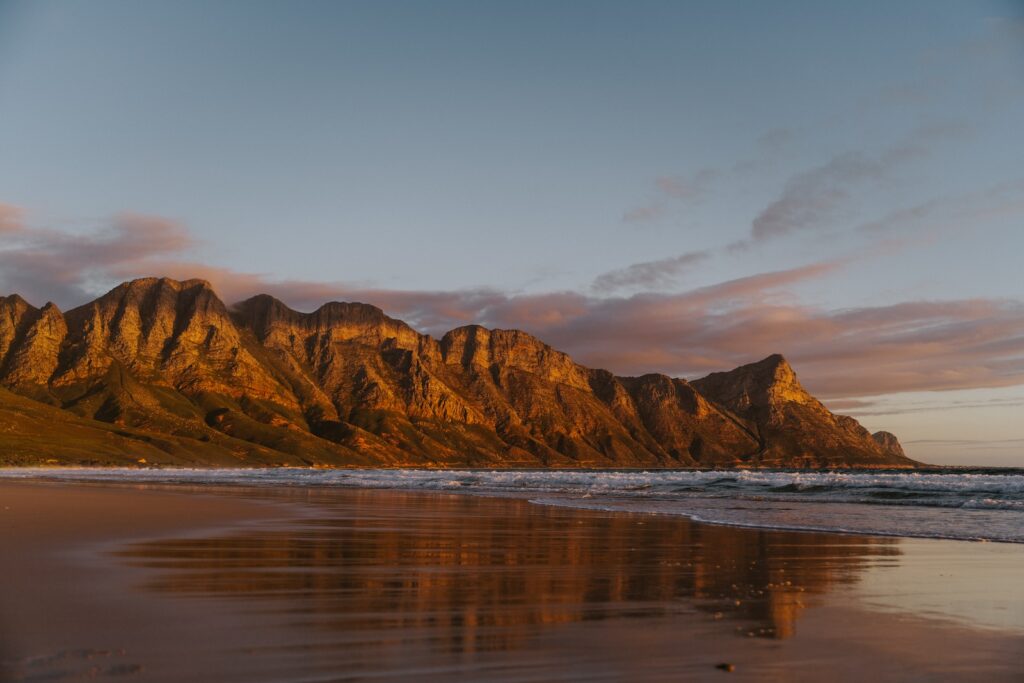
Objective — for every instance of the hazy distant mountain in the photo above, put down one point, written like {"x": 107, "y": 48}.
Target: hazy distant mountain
{"x": 163, "y": 371}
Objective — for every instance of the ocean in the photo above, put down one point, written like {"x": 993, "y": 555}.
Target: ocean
{"x": 963, "y": 504}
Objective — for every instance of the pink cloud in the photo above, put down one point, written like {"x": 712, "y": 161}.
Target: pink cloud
{"x": 42, "y": 263}
{"x": 907, "y": 346}
{"x": 10, "y": 219}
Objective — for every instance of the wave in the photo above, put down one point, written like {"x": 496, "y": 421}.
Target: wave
{"x": 971, "y": 505}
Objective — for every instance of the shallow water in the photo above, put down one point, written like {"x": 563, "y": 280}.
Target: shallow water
{"x": 982, "y": 504}
{"x": 356, "y": 584}
{"x": 400, "y": 585}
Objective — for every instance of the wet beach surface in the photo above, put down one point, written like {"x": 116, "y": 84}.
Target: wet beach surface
{"x": 351, "y": 585}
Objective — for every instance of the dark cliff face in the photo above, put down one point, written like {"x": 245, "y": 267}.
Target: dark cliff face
{"x": 164, "y": 371}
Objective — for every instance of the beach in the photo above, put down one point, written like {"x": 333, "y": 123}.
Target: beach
{"x": 165, "y": 582}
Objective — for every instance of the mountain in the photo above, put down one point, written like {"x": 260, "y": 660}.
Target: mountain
{"x": 793, "y": 428}
{"x": 161, "y": 371}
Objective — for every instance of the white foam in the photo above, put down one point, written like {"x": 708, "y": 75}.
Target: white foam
{"x": 946, "y": 505}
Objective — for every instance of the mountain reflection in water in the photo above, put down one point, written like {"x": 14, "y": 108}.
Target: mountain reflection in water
{"x": 462, "y": 574}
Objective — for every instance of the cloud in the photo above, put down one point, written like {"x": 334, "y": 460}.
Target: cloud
{"x": 981, "y": 443}
{"x": 849, "y": 405}
{"x": 644, "y": 214}
{"x": 1005, "y": 199}
{"x": 54, "y": 265}
{"x": 649, "y": 275}
{"x": 687, "y": 189}
{"x": 848, "y": 353}
{"x": 910, "y": 346}
{"x": 10, "y": 219}
{"x": 692, "y": 188}
{"x": 814, "y": 198}
{"x": 875, "y": 407}
{"x": 817, "y": 197}
{"x": 775, "y": 139}
{"x": 913, "y": 346}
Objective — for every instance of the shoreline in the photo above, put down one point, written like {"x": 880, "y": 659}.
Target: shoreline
{"x": 764, "y": 527}
{"x": 818, "y": 515}
{"x": 281, "y": 575}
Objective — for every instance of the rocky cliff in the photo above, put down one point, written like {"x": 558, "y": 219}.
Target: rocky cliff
{"x": 162, "y": 371}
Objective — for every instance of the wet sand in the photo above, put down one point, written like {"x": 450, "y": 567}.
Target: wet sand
{"x": 175, "y": 583}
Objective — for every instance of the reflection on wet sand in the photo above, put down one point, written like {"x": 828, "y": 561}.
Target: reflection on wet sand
{"x": 319, "y": 585}
{"x": 473, "y": 575}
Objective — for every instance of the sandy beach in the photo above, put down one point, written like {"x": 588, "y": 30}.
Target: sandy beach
{"x": 154, "y": 583}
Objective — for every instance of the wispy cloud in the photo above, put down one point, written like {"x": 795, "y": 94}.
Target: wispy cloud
{"x": 817, "y": 197}
{"x": 646, "y": 213}
{"x": 1009, "y": 446}
{"x": 685, "y": 189}
{"x": 811, "y": 198}
{"x": 875, "y": 407}
{"x": 694, "y": 187}
{"x": 981, "y": 443}
{"x": 649, "y": 275}
{"x": 689, "y": 188}
{"x": 1005, "y": 199}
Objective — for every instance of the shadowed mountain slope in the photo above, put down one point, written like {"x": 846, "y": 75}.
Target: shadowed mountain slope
{"x": 162, "y": 370}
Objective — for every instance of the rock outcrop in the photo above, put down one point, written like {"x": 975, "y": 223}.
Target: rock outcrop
{"x": 889, "y": 443}
{"x": 166, "y": 366}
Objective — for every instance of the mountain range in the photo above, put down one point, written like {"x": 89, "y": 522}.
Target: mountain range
{"x": 158, "y": 371}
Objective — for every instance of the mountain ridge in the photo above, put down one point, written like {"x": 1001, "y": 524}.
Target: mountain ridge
{"x": 347, "y": 385}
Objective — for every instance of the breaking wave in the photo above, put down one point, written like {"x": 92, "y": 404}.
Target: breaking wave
{"x": 980, "y": 504}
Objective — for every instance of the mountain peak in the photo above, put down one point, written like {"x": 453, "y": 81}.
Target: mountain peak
{"x": 277, "y": 325}
{"x": 889, "y": 443}
{"x": 15, "y": 300}
{"x": 50, "y": 309}
{"x": 150, "y": 296}
{"x": 774, "y": 360}
{"x": 332, "y": 312}
{"x": 774, "y": 365}
{"x": 777, "y": 371}
{"x": 352, "y": 311}
{"x": 166, "y": 282}
{"x": 769, "y": 381}
{"x": 261, "y": 311}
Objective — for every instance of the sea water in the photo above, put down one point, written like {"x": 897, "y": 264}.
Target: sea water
{"x": 966, "y": 504}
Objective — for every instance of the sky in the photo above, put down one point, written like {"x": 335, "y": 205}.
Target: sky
{"x": 676, "y": 187}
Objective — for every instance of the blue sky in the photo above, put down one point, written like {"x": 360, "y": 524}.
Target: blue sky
{"x": 597, "y": 173}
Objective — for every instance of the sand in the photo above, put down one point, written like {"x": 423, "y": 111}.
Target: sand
{"x": 173, "y": 584}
